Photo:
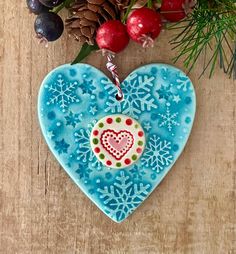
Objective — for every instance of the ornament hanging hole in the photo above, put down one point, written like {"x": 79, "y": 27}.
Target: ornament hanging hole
{"x": 119, "y": 97}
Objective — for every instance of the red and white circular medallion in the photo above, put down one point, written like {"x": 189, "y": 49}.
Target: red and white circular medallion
{"x": 117, "y": 141}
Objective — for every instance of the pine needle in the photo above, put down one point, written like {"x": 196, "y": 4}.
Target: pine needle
{"x": 209, "y": 30}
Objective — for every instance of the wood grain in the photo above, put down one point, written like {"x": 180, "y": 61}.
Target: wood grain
{"x": 41, "y": 209}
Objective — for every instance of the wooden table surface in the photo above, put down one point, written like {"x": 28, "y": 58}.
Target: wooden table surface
{"x": 41, "y": 209}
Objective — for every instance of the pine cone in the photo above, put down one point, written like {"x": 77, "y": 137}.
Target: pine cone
{"x": 87, "y": 15}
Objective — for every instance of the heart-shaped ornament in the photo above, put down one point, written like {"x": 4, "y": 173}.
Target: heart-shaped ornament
{"x": 117, "y": 152}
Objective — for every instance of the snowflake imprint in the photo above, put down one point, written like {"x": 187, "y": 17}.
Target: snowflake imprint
{"x": 147, "y": 126}
{"x": 165, "y": 73}
{"x": 61, "y": 146}
{"x": 137, "y": 92}
{"x": 176, "y": 98}
{"x": 164, "y": 92}
{"x": 62, "y": 93}
{"x": 83, "y": 151}
{"x": 83, "y": 171}
{"x": 157, "y": 154}
{"x": 123, "y": 196}
{"x": 73, "y": 119}
{"x": 50, "y": 134}
{"x": 137, "y": 172}
{"x": 93, "y": 109}
{"x": 87, "y": 87}
{"x": 183, "y": 82}
{"x": 168, "y": 119}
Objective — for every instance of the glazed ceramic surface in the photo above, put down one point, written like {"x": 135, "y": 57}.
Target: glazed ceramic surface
{"x": 119, "y": 164}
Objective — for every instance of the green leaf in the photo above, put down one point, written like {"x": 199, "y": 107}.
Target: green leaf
{"x": 128, "y": 10}
{"x": 149, "y": 4}
{"x": 63, "y": 5}
{"x": 85, "y": 51}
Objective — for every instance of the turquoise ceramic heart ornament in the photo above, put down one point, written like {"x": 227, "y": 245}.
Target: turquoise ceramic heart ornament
{"x": 117, "y": 152}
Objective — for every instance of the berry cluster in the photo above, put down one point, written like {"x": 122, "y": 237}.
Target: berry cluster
{"x": 142, "y": 26}
{"x": 110, "y": 24}
{"x": 48, "y": 25}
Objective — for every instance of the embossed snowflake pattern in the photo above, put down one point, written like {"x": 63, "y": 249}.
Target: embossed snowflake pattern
{"x": 83, "y": 151}
{"x": 164, "y": 92}
{"x": 73, "y": 119}
{"x": 157, "y": 154}
{"x": 165, "y": 73}
{"x": 137, "y": 172}
{"x": 123, "y": 196}
{"x": 137, "y": 91}
{"x": 62, "y": 93}
{"x": 61, "y": 146}
{"x": 50, "y": 134}
{"x": 168, "y": 119}
{"x": 183, "y": 82}
{"x": 93, "y": 109}
{"x": 87, "y": 87}
{"x": 147, "y": 126}
{"x": 83, "y": 171}
{"x": 176, "y": 99}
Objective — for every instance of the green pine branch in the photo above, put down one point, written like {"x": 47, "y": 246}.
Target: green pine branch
{"x": 209, "y": 30}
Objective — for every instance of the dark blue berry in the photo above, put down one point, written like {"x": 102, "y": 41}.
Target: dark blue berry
{"x": 51, "y": 3}
{"x": 36, "y": 7}
{"x": 49, "y": 26}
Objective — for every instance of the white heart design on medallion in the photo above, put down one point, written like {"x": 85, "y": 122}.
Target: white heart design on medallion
{"x": 117, "y": 143}
{"x": 117, "y": 140}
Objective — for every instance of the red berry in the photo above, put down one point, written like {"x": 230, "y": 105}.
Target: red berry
{"x": 144, "y": 25}
{"x": 112, "y": 35}
{"x": 172, "y": 10}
